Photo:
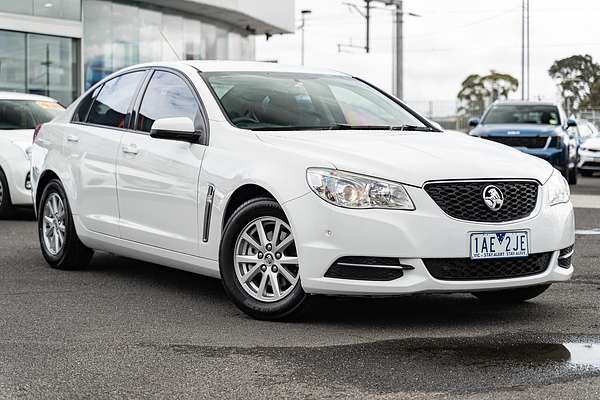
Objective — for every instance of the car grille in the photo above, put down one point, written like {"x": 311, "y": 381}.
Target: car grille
{"x": 464, "y": 200}
{"x": 367, "y": 268}
{"x": 534, "y": 142}
{"x": 465, "y": 269}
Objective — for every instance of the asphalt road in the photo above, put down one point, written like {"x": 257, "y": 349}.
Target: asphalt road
{"x": 127, "y": 329}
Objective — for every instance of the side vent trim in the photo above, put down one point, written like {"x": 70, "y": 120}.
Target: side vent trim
{"x": 210, "y": 195}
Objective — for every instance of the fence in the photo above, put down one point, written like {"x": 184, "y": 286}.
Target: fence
{"x": 592, "y": 115}
{"x": 444, "y": 112}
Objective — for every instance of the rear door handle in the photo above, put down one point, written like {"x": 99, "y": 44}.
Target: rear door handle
{"x": 73, "y": 139}
{"x": 130, "y": 149}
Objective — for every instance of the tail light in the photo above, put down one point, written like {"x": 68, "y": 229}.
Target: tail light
{"x": 36, "y": 131}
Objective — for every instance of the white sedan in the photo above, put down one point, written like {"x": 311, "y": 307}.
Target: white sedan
{"x": 19, "y": 115}
{"x": 286, "y": 182}
{"x": 589, "y": 155}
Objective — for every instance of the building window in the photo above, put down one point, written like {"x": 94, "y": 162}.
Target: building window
{"x": 39, "y": 64}
{"x": 117, "y": 35}
{"x": 61, "y": 9}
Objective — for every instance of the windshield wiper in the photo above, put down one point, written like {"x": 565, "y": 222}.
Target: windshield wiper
{"x": 343, "y": 127}
{"x": 413, "y": 128}
{"x": 335, "y": 127}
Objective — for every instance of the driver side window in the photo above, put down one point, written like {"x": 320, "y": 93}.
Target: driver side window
{"x": 167, "y": 96}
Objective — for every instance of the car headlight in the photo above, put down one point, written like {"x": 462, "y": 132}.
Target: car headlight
{"x": 350, "y": 190}
{"x": 557, "y": 189}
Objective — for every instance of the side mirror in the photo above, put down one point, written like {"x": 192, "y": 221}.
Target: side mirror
{"x": 179, "y": 128}
{"x": 571, "y": 123}
{"x": 473, "y": 122}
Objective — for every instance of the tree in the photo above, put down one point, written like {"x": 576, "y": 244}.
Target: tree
{"x": 575, "y": 76}
{"x": 478, "y": 91}
{"x": 593, "y": 100}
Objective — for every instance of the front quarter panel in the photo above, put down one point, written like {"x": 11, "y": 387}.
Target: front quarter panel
{"x": 236, "y": 158}
{"x": 46, "y": 156}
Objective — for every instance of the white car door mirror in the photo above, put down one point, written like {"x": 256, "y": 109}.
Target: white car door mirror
{"x": 178, "y": 128}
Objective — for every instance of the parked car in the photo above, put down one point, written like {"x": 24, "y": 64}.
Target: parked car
{"x": 19, "y": 115}
{"x": 536, "y": 128}
{"x": 589, "y": 151}
{"x": 286, "y": 182}
{"x": 586, "y": 129}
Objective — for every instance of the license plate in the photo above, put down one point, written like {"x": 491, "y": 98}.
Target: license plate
{"x": 499, "y": 244}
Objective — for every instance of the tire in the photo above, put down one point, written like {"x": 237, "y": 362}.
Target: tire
{"x": 6, "y": 207}
{"x": 517, "y": 295}
{"x": 586, "y": 173}
{"x": 70, "y": 253}
{"x": 250, "y": 285}
{"x": 572, "y": 176}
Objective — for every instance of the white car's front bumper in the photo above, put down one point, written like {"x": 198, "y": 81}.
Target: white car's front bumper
{"x": 324, "y": 233}
{"x": 589, "y": 160}
{"x": 17, "y": 174}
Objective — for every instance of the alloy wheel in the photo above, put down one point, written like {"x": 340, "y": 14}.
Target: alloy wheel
{"x": 53, "y": 228}
{"x": 266, "y": 260}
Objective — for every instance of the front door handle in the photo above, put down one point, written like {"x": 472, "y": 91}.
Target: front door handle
{"x": 130, "y": 149}
{"x": 72, "y": 138}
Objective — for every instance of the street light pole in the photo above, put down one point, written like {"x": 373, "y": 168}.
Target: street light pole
{"x": 522, "y": 49}
{"x": 399, "y": 51}
{"x": 528, "y": 55}
{"x": 304, "y": 13}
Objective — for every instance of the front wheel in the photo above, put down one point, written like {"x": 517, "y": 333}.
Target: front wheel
{"x": 60, "y": 244}
{"x": 517, "y": 295}
{"x": 6, "y": 207}
{"x": 259, "y": 262}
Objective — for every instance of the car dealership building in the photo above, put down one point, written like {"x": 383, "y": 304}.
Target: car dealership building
{"x": 61, "y": 47}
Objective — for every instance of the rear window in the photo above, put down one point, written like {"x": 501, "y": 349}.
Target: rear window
{"x": 27, "y": 114}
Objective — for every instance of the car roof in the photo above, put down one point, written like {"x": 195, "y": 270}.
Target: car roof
{"x": 241, "y": 66}
{"x": 24, "y": 96}
{"x": 524, "y": 103}
{"x": 258, "y": 66}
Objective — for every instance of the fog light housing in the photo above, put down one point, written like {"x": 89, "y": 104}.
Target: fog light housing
{"x": 28, "y": 181}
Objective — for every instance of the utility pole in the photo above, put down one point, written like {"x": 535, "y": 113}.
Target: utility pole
{"x": 399, "y": 51}
{"x": 528, "y": 53}
{"x": 303, "y": 13}
{"x": 398, "y": 47}
{"x": 368, "y": 17}
{"x": 522, "y": 49}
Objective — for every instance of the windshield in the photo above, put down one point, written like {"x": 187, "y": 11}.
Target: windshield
{"x": 292, "y": 101}
{"x": 522, "y": 114}
{"x": 26, "y": 114}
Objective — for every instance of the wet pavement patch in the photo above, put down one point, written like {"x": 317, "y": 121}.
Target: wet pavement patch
{"x": 452, "y": 365}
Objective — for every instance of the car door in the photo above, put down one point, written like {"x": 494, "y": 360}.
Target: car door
{"x": 91, "y": 144}
{"x": 157, "y": 179}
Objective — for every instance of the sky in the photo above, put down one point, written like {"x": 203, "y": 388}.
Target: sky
{"x": 447, "y": 42}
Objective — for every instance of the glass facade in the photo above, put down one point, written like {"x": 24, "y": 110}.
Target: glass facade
{"x": 39, "y": 64}
{"x": 117, "y": 35}
{"x": 63, "y": 9}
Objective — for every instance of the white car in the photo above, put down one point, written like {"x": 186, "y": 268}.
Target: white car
{"x": 589, "y": 151}
{"x": 19, "y": 115}
{"x": 286, "y": 182}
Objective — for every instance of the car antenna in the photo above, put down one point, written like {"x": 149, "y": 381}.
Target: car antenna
{"x": 170, "y": 45}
